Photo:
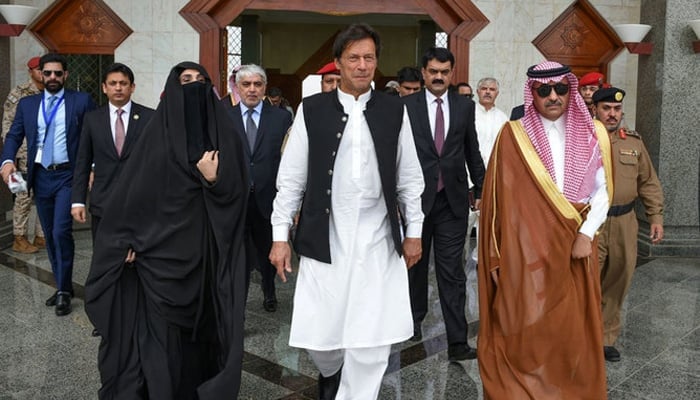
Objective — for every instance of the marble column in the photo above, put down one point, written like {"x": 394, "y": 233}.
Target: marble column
{"x": 668, "y": 90}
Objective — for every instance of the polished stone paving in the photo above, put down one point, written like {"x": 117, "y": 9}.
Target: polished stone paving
{"x": 47, "y": 357}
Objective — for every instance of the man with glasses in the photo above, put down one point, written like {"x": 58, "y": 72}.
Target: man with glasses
{"x": 23, "y": 200}
{"x": 352, "y": 159}
{"x": 51, "y": 122}
{"x": 410, "y": 81}
{"x": 464, "y": 89}
{"x": 546, "y": 193}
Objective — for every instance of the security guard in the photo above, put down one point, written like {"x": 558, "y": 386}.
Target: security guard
{"x": 634, "y": 177}
{"x": 23, "y": 200}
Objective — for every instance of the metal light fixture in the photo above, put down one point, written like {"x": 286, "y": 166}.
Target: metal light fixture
{"x": 632, "y": 35}
{"x": 17, "y": 17}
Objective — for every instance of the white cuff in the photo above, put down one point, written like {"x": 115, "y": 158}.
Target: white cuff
{"x": 280, "y": 233}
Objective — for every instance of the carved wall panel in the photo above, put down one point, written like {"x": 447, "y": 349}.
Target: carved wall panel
{"x": 80, "y": 27}
{"x": 581, "y": 38}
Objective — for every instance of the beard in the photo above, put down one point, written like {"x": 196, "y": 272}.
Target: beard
{"x": 53, "y": 87}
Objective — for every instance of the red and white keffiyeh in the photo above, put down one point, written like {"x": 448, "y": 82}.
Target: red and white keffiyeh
{"x": 581, "y": 153}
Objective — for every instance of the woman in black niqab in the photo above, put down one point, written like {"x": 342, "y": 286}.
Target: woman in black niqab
{"x": 171, "y": 321}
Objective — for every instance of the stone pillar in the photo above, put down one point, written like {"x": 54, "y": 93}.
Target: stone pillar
{"x": 250, "y": 40}
{"x": 667, "y": 95}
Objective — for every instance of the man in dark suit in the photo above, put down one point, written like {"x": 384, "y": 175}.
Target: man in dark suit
{"x": 443, "y": 129}
{"x": 51, "y": 122}
{"x": 109, "y": 133}
{"x": 262, "y": 128}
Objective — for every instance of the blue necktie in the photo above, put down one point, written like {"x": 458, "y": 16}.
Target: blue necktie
{"x": 47, "y": 152}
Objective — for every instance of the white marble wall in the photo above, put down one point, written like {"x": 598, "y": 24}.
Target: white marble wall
{"x": 161, "y": 39}
{"x": 503, "y": 49}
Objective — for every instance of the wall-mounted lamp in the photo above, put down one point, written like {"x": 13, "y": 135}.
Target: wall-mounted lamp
{"x": 17, "y": 17}
{"x": 695, "y": 24}
{"x": 632, "y": 35}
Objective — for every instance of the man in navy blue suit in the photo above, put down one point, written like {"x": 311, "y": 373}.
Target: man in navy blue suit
{"x": 51, "y": 121}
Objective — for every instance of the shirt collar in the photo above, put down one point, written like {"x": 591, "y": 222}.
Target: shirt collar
{"x": 364, "y": 97}
{"x": 257, "y": 108}
{"x": 126, "y": 107}
{"x": 430, "y": 97}
{"x": 560, "y": 123}
{"x": 58, "y": 95}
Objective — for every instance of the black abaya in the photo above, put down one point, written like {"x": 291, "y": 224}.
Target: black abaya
{"x": 172, "y": 321}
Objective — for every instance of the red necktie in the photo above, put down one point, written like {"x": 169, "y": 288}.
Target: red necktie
{"x": 119, "y": 132}
{"x": 439, "y": 137}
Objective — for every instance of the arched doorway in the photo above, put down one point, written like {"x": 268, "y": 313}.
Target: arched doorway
{"x": 460, "y": 20}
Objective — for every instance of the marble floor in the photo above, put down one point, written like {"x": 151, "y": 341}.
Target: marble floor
{"x": 47, "y": 357}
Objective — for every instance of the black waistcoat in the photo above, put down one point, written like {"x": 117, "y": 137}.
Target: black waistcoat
{"x": 325, "y": 122}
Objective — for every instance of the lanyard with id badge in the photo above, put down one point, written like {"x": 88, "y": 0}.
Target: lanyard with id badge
{"x": 48, "y": 120}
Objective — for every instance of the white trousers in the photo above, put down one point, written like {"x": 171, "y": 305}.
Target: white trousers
{"x": 363, "y": 370}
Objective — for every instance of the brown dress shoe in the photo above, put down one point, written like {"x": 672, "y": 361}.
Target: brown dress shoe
{"x": 22, "y": 245}
{"x": 39, "y": 242}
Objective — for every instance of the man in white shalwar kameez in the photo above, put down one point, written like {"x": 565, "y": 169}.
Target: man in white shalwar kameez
{"x": 352, "y": 160}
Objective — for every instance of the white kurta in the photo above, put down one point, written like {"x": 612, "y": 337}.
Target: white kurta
{"x": 488, "y": 123}
{"x": 361, "y": 299}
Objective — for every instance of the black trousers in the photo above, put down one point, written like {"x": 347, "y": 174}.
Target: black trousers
{"x": 447, "y": 233}
{"x": 258, "y": 237}
{"x": 94, "y": 224}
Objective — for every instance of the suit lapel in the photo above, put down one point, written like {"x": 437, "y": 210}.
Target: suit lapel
{"x": 134, "y": 129}
{"x": 240, "y": 128}
{"x": 105, "y": 131}
{"x": 454, "y": 114}
{"x": 69, "y": 103}
{"x": 261, "y": 126}
{"x": 425, "y": 120}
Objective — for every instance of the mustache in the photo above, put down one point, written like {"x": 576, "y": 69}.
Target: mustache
{"x": 438, "y": 82}
{"x": 553, "y": 103}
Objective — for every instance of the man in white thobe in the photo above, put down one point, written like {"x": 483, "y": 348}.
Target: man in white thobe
{"x": 488, "y": 120}
{"x": 352, "y": 160}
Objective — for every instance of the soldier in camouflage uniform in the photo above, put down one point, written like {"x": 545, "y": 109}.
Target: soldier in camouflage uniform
{"x": 23, "y": 200}
{"x": 617, "y": 245}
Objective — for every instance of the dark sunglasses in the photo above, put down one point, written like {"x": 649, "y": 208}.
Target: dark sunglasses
{"x": 559, "y": 88}
{"x": 47, "y": 73}
{"x": 470, "y": 95}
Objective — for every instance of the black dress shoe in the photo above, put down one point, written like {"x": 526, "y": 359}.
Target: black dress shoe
{"x": 460, "y": 352}
{"x": 417, "y": 333}
{"x": 51, "y": 301}
{"x": 611, "y": 354}
{"x": 270, "y": 305}
{"x": 328, "y": 387}
{"x": 63, "y": 304}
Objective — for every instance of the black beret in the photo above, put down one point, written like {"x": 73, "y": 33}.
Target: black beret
{"x": 609, "y": 95}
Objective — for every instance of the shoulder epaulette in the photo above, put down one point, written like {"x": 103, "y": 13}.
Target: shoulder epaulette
{"x": 628, "y": 132}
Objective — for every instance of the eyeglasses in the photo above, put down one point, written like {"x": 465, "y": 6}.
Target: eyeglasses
{"x": 470, "y": 95}
{"x": 559, "y": 88}
{"x": 47, "y": 73}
